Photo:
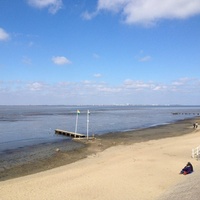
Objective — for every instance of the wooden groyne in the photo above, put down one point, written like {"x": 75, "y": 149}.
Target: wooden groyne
{"x": 181, "y": 113}
{"x": 69, "y": 134}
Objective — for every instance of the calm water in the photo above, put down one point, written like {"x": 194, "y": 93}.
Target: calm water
{"x": 28, "y": 125}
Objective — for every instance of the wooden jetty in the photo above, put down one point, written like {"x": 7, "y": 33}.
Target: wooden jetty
{"x": 69, "y": 134}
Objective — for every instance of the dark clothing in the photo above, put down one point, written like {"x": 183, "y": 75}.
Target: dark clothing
{"x": 187, "y": 169}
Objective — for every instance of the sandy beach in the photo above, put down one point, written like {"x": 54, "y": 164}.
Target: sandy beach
{"x": 142, "y": 169}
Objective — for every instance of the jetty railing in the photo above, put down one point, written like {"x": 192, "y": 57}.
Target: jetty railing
{"x": 196, "y": 153}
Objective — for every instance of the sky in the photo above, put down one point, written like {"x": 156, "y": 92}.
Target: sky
{"x": 69, "y": 52}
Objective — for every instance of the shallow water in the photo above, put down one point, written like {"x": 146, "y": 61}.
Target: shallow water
{"x": 29, "y": 125}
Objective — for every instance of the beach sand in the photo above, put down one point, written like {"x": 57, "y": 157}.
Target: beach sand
{"x": 127, "y": 166}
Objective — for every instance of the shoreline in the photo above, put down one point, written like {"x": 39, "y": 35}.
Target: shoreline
{"x": 118, "y": 168}
{"x": 31, "y": 160}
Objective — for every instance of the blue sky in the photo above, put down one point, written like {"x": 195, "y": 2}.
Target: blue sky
{"x": 99, "y": 52}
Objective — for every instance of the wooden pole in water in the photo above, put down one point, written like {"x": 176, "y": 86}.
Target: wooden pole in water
{"x": 76, "y": 125}
{"x": 88, "y": 114}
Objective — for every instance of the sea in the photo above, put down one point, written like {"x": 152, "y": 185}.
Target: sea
{"x": 28, "y": 125}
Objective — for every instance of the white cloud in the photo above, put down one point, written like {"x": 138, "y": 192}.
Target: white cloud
{"x": 160, "y": 87}
{"x": 145, "y": 59}
{"x": 26, "y": 60}
{"x": 181, "y": 81}
{"x": 96, "y": 55}
{"x": 141, "y": 57}
{"x": 3, "y": 35}
{"x": 30, "y": 44}
{"x": 36, "y": 86}
{"x": 109, "y": 89}
{"x": 132, "y": 91}
{"x": 138, "y": 85}
{"x": 52, "y": 5}
{"x": 147, "y": 12}
{"x": 97, "y": 75}
{"x": 86, "y": 82}
{"x": 114, "y": 5}
{"x": 60, "y": 60}
{"x": 88, "y": 16}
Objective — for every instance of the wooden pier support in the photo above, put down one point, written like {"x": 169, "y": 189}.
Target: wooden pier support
{"x": 69, "y": 134}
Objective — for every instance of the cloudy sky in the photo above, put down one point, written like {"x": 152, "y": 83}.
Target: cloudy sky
{"x": 99, "y": 52}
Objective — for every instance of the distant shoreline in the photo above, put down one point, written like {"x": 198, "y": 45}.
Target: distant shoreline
{"x": 30, "y": 160}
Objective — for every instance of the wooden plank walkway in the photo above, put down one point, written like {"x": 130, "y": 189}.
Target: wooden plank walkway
{"x": 69, "y": 134}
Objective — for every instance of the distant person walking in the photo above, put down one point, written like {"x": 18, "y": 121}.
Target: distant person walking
{"x": 195, "y": 125}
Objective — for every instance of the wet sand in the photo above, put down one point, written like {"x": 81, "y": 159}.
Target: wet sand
{"x": 30, "y": 160}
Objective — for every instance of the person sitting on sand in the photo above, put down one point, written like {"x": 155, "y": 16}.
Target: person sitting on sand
{"x": 187, "y": 169}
